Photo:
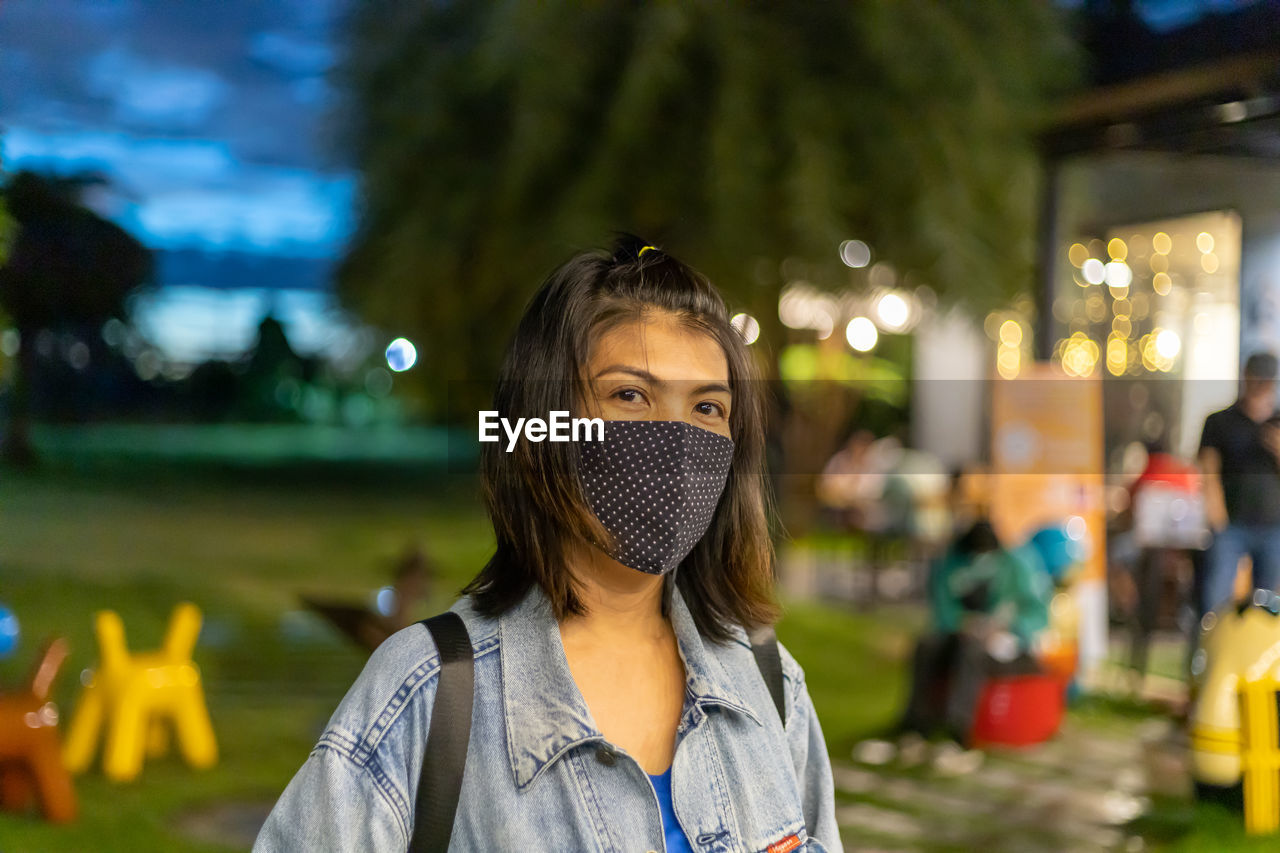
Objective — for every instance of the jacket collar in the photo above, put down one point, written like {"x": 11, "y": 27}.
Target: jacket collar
{"x": 546, "y": 715}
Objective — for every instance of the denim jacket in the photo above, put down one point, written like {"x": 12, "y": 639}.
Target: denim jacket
{"x": 540, "y": 775}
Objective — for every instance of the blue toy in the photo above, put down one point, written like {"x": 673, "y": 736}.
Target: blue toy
{"x": 1057, "y": 549}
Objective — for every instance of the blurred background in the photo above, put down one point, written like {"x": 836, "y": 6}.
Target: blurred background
{"x": 998, "y": 261}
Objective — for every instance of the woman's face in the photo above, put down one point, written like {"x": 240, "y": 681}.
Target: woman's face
{"x": 661, "y": 370}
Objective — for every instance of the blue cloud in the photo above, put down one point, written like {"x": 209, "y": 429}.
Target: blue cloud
{"x": 136, "y": 160}
{"x": 194, "y": 193}
{"x": 285, "y": 211}
{"x": 292, "y": 53}
{"x": 147, "y": 92}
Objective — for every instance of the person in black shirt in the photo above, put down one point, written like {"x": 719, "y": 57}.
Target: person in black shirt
{"x": 1240, "y": 456}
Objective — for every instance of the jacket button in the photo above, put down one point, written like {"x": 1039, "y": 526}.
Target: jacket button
{"x": 606, "y": 757}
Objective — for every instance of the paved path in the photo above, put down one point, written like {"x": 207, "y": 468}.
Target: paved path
{"x": 1075, "y": 793}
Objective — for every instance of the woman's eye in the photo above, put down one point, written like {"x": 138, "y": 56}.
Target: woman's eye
{"x": 710, "y": 409}
{"x": 628, "y": 395}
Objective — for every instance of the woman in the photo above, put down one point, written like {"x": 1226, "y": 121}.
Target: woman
{"x": 618, "y": 705}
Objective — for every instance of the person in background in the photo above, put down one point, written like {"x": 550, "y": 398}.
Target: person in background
{"x": 969, "y": 500}
{"x": 852, "y": 482}
{"x": 1239, "y": 449}
{"x": 989, "y": 604}
{"x": 1167, "y": 536}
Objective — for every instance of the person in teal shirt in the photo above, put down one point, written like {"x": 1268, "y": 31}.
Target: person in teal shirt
{"x": 989, "y": 603}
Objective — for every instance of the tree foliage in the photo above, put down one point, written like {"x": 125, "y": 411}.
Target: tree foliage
{"x": 65, "y": 265}
{"x": 496, "y": 138}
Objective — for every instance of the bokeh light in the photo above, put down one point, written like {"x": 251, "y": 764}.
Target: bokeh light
{"x": 893, "y": 311}
{"x": 855, "y": 253}
{"x": 1093, "y": 271}
{"x": 1010, "y": 333}
{"x": 1168, "y": 343}
{"x": 10, "y": 342}
{"x": 377, "y": 382}
{"x": 1117, "y": 275}
{"x": 882, "y": 275}
{"x": 1008, "y": 362}
{"x": 9, "y": 632}
{"x": 1117, "y": 355}
{"x": 401, "y": 355}
{"x": 802, "y": 306}
{"x": 861, "y": 334}
{"x": 747, "y": 326}
{"x": 1079, "y": 355}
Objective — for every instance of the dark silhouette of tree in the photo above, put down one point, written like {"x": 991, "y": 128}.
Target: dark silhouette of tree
{"x": 494, "y": 139}
{"x": 66, "y": 265}
{"x": 273, "y": 365}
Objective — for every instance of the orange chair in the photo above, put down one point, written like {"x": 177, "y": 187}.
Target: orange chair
{"x": 134, "y": 697}
{"x": 30, "y": 754}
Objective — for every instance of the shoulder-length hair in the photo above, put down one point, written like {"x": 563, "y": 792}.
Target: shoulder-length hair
{"x": 534, "y": 495}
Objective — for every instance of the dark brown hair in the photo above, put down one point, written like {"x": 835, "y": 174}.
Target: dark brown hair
{"x": 534, "y": 495}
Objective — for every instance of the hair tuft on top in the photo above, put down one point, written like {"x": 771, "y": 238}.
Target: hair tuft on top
{"x": 628, "y": 249}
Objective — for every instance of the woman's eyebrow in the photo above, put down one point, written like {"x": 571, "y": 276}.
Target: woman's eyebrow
{"x": 634, "y": 371}
{"x": 650, "y": 378}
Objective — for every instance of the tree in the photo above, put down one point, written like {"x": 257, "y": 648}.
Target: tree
{"x": 66, "y": 265}
{"x": 494, "y": 139}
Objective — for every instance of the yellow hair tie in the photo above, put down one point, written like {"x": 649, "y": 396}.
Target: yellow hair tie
{"x": 640, "y": 254}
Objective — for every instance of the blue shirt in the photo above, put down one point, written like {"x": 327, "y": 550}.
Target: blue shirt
{"x": 671, "y": 831}
{"x": 540, "y": 775}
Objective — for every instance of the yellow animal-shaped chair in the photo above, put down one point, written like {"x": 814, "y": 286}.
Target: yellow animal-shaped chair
{"x": 133, "y": 698}
{"x": 1235, "y": 734}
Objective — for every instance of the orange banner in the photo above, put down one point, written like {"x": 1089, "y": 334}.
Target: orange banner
{"x": 1046, "y": 457}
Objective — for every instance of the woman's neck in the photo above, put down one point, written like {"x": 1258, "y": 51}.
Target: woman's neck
{"x": 624, "y": 659}
{"x": 619, "y": 603}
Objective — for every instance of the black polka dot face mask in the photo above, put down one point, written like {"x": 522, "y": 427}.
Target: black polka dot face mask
{"x": 654, "y": 485}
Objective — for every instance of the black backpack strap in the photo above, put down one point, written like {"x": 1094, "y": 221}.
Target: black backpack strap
{"x": 764, "y": 645}
{"x": 446, "y": 751}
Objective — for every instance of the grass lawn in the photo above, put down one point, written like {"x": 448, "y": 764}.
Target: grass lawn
{"x": 242, "y": 544}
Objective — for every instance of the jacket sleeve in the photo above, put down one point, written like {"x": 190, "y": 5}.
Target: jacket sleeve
{"x": 355, "y": 791}
{"x": 812, "y": 763}
{"x": 332, "y": 805}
